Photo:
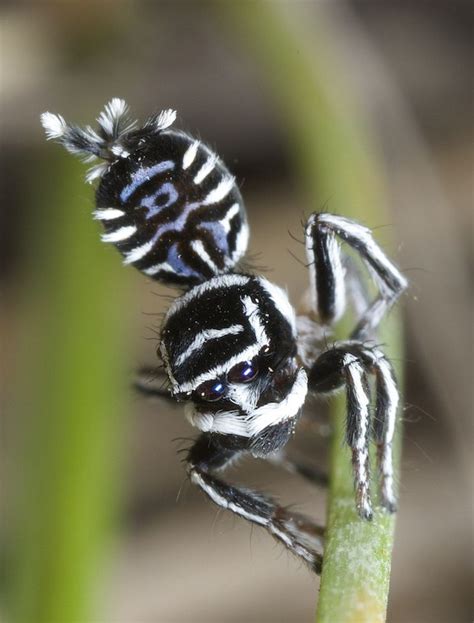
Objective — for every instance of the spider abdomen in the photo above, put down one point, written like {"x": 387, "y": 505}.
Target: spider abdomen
{"x": 173, "y": 210}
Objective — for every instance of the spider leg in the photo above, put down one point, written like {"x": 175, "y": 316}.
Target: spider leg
{"x": 349, "y": 363}
{"x": 152, "y": 382}
{"x": 299, "y": 535}
{"x": 328, "y": 272}
{"x": 383, "y": 429}
{"x": 314, "y": 475}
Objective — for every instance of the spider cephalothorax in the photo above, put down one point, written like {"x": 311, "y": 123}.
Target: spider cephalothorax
{"x": 229, "y": 343}
{"x": 239, "y": 370}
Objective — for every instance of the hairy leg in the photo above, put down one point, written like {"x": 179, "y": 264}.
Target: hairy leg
{"x": 348, "y": 364}
{"x": 328, "y": 271}
{"x": 299, "y": 534}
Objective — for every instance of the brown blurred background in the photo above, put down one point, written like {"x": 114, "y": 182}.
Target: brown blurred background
{"x": 410, "y": 64}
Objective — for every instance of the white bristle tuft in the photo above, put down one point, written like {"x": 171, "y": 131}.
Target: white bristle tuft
{"x": 96, "y": 171}
{"x": 116, "y": 107}
{"x": 165, "y": 119}
{"x": 54, "y": 125}
{"x": 112, "y": 115}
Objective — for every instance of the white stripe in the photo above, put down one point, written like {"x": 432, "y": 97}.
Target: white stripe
{"x": 136, "y": 254}
{"x": 386, "y": 459}
{"x": 241, "y": 242}
{"x": 205, "y": 169}
{"x": 244, "y": 394}
{"x": 190, "y": 154}
{"x": 252, "y": 424}
{"x": 198, "y": 247}
{"x": 157, "y": 267}
{"x": 220, "y": 370}
{"x": 364, "y": 235}
{"x": 253, "y": 316}
{"x": 204, "y": 336}
{"x": 339, "y": 273}
{"x": 280, "y": 299}
{"x": 276, "y": 412}
{"x": 393, "y": 397}
{"x": 108, "y": 214}
{"x": 335, "y": 265}
{"x": 292, "y": 543}
{"x": 120, "y": 234}
{"x": 198, "y": 480}
{"x": 225, "y": 222}
{"x": 356, "y": 373}
{"x": 220, "y": 191}
{"x": 360, "y": 449}
{"x": 220, "y": 281}
{"x": 312, "y": 270}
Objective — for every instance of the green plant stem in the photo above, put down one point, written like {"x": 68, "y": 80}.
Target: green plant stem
{"x": 334, "y": 160}
{"x": 71, "y": 389}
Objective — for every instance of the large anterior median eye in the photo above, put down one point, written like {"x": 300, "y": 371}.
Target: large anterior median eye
{"x": 243, "y": 372}
{"x": 210, "y": 390}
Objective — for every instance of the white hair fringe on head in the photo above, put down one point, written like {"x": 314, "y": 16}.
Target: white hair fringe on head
{"x": 116, "y": 136}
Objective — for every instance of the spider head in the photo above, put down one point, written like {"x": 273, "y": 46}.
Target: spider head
{"x": 229, "y": 347}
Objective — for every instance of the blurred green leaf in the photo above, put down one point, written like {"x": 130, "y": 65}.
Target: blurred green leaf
{"x": 71, "y": 392}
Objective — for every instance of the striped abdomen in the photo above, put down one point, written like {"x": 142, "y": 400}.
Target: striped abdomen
{"x": 173, "y": 210}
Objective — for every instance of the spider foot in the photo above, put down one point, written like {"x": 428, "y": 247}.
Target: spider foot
{"x": 300, "y": 535}
{"x": 360, "y": 463}
{"x": 387, "y": 496}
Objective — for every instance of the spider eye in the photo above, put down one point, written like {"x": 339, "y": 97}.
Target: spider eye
{"x": 210, "y": 391}
{"x": 243, "y": 372}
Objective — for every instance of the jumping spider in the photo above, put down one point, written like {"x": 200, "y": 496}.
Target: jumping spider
{"x": 229, "y": 341}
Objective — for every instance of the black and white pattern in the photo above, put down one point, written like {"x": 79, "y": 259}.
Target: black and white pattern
{"x": 229, "y": 344}
{"x": 167, "y": 202}
{"x": 328, "y": 270}
{"x": 299, "y": 534}
{"x": 241, "y": 319}
{"x": 349, "y": 364}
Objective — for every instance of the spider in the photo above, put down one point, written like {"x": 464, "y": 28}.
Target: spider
{"x": 229, "y": 342}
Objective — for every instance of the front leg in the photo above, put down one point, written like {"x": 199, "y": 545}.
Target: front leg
{"x": 153, "y": 382}
{"x": 348, "y": 363}
{"x": 299, "y": 535}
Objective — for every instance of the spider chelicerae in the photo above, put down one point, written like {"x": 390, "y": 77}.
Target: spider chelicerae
{"x": 232, "y": 347}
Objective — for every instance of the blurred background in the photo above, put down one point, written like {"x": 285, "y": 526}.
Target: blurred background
{"x": 90, "y": 472}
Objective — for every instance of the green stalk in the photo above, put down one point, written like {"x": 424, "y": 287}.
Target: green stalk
{"x": 70, "y": 393}
{"x": 335, "y": 161}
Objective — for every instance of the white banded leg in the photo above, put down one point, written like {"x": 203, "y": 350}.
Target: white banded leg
{"x": 384, "y": 422}
{"x": 299, "y": 535}
{"x": 328, "y": 273}
{"x": 348, "y": 363}
{"x": 387, "y": 398}
{"x": 358, "y": 431}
